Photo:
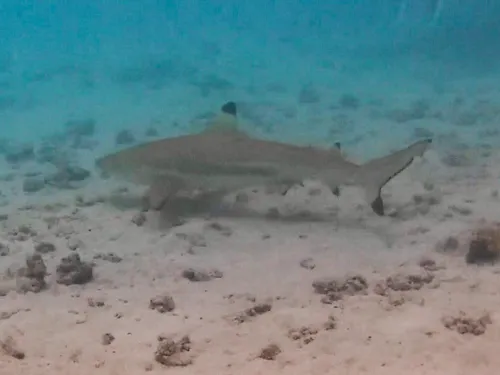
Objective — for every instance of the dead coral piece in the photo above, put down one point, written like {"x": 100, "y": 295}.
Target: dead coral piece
{"x": 10, "y": 348}
{"x": 330, "y": 324}
{"x": 162, "y": 303}
{"x": 428, "y": 264}
{"x": 45, "y": 247}
{"x": 335, "y": 289}
{"x": 222, "y": 229}
{"x": 139, "y": 219}
{"x": 484, "y": 246}
{"x": 448, "y": 246}
{"x": 412, "y": 281}
{"x": 305, "y": 335}
{"x": 257, "y": 309}
{"x": 307, "y": 263}
{"x": 31, "y": 278}
{"x": 196, "y": 275}
{"x": 72, "y": 270}
{"x": 172, "y": 353}
{"x": 465, "y": 324}
{"x": 22, "y": 233}
{"x": 270, "y": 352}
{"x": 109, "y": 257}
{"x": 107, "y": 339}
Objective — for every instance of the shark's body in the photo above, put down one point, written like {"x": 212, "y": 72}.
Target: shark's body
{"x": 224, "y": 159}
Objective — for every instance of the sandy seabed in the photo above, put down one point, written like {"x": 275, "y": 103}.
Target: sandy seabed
{"x": 337, "y": 290}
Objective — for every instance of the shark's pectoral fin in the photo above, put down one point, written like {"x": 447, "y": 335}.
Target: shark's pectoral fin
{"x": 160, "y": 191}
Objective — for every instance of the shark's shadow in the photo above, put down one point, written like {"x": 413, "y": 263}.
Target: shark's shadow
{"x": 211, "y": 205}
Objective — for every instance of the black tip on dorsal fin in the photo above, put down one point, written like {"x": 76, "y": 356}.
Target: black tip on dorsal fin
{"x": 229, "y": 108}
{"x": 338, "y": 145}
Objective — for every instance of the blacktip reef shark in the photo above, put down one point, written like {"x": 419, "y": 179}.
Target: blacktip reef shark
{"x": 225, "y": 159}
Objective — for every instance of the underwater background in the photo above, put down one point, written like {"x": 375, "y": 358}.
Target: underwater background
{"x": 303, "y": 282}
{"x": 325, "y": 71}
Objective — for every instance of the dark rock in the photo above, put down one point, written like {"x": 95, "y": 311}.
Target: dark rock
{"x": 33, "y": 184}
{"x": 201, "y": 275}
{"x": 421, "y": 132}
{"x": 109, "y": 257}
{"x": 66, "y": 176}
{"x": 484, "y": 247}
{"x": 309, "y": 95}
{"x": 125, "y": 137}
{"x": 162, "y": 303}
{"x": 72, "y": 270}
{"x": 45, "y": 247}
{"x": 81, "y": 127}
{"x": 20, "y": 153}
{"x": 31, "y": 278}
{"x": 139, "y": 219}
{"x": 48, "y": 152}
{"x": 151, "y": 132}
{"x": 4, "y": 250}
{"x": 335, "y": 289}
{"x": 348, "y": 101}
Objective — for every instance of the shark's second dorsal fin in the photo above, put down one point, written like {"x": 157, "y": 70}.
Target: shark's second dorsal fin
{"x": 226, "y": 121}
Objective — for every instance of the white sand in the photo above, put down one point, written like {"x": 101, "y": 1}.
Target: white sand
{"x": 60, "y": 329}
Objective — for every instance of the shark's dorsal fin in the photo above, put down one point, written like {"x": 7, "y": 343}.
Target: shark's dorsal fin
{"x": 226, "y": 121}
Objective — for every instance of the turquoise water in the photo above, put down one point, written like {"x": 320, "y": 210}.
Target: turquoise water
{"x": 370, "y": 74}
{"x": 81, "y": 79}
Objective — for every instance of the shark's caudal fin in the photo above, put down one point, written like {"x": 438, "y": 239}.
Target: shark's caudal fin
{"x": 373, "y": 175}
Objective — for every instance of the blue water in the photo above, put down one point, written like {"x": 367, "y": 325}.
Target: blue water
{"x": 80, "y": 79}
{"x": 132, "y": 65}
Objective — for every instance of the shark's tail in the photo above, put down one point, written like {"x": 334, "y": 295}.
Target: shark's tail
{"x": 373, "y": 175}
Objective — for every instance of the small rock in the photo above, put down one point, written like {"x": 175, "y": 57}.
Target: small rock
{"x": 74, "y": 243}
{"x": 20, "y": 153}
{"x": 45, "y": 247}
{"x": 349, "y": 101}
{"x": 33, "y": 184}
{"x": 410, "y": 281}
{"x": 222, "y": 229}
{"x": 308, "y": 95}
{"x": 10, "y": 348}
{"x": 335, "y": 289}
{"x": 270, "y": 352}
{"x": 428, "y": 264}
{"x": 255, "y": 310}
{"x": 201, "y": 275}
{"x": 139, "y": 219}
{"x": 107, "y": 339}
{"x": 484, "y": 247}
{"x": 4, "y": 250}
{"x": 162, "y": 303}
{"x": 173, "y": 353}
{"x": 464, "y": 324}
{"x": 109, "y": 257}
{"x": 124, "y": 137}
{"x": 72, "y": 270}
{"x": 151, "y": 132}
{"x": 31, "y": 278}
{"x": 449, "y": 245}
{"x": 81, "y": 127}
{"x": 308, "y": 263}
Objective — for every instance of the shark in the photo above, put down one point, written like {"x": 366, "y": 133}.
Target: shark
{"x": 223, "y": 159}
